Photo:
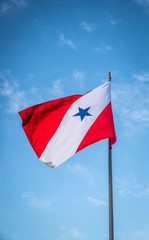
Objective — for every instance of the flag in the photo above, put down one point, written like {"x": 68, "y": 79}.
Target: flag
{"x": 60, "y": 128}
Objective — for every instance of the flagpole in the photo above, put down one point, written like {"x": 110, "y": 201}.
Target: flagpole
{"x": 111, "y": 227}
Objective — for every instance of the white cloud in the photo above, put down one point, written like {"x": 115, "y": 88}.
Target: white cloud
{"x": 137, "y": 234}
{"x": 130, "y": 103}
{"x": 103, "y": 48}
{"x": 142, "y": 2}
{"x": 65, "y": 41}
{"x": 81, "y": 171}
{"x": 57, "y": 89}
{"x": 70, "y": 233}
{"x": 112, "y": 20}
{"x": 89, "y": 27}
{"x": 16, "y": 99}
{"x": 96, "y": 202}
{"x": 76, "y": 234}
{"x": 19, "y": 3}
{"x": 130, "y": 187}
{"x": 79, "y": 77}
{"x": 33, "y": 200}
{"x": 9, "y": 6}
{"x": 6, "y": 89}
{"x": 141, "y": 77}
{"x": 106, "y": 235}
{"x": 5, "y": 8}
{"x": 141, "y": 115}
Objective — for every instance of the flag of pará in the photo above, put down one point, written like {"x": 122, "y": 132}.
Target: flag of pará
{"x": 60, "y": 128}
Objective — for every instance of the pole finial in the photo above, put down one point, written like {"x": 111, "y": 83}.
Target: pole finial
{"x": 109, "y": 76}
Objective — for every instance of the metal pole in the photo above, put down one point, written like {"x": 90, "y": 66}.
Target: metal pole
{"x": 111, "y": 228}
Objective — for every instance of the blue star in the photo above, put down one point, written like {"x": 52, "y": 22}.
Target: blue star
{"x": 82, "y": 113}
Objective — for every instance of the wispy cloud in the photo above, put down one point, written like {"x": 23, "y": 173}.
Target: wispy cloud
{"x": 32, "y": 200}
{"x": 70, "y": 233}
{"x": 141, "y": 77}
{"x": 143, "y": 3}
{"x": 112, "y": 20}
{"x": 57, "y": 89}
{"x": 82, "y": 171}
{"x": 103, "y": 48}
{"x": 106, "y": 235}
{"x": 5, "y": 7}
{"x": 16, "y": 99}
{"x": 9, "y": 6}
{"x": 130, "y": 187}
{"x": 79, "y": 77}
{"x": 19, "y": 3}
{"x": 136, "y": 234}
{"x": 96, "y": 202}
{"x": 76, "y": 234}
{"x": 130, "y": 103}
{"x": 64, "y": 41}
{"x": 89, "y": 27}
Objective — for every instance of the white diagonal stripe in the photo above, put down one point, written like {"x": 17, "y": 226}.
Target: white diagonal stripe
{"x": 72, "y": 130}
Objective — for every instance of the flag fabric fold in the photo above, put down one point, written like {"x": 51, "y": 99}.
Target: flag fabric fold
{"x": 59, "y": 128}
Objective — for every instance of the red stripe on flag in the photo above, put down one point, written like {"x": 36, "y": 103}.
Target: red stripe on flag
{"x": 41, "y": 121}
{"x": 102, "y": 128}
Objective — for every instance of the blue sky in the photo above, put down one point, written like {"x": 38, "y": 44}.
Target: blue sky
{"x": 50, "y": 49}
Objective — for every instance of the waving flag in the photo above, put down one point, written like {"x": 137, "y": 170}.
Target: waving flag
{"x": 58, "y": 129}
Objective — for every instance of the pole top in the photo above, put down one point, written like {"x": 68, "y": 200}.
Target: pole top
{"x": 109, "y": 76}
